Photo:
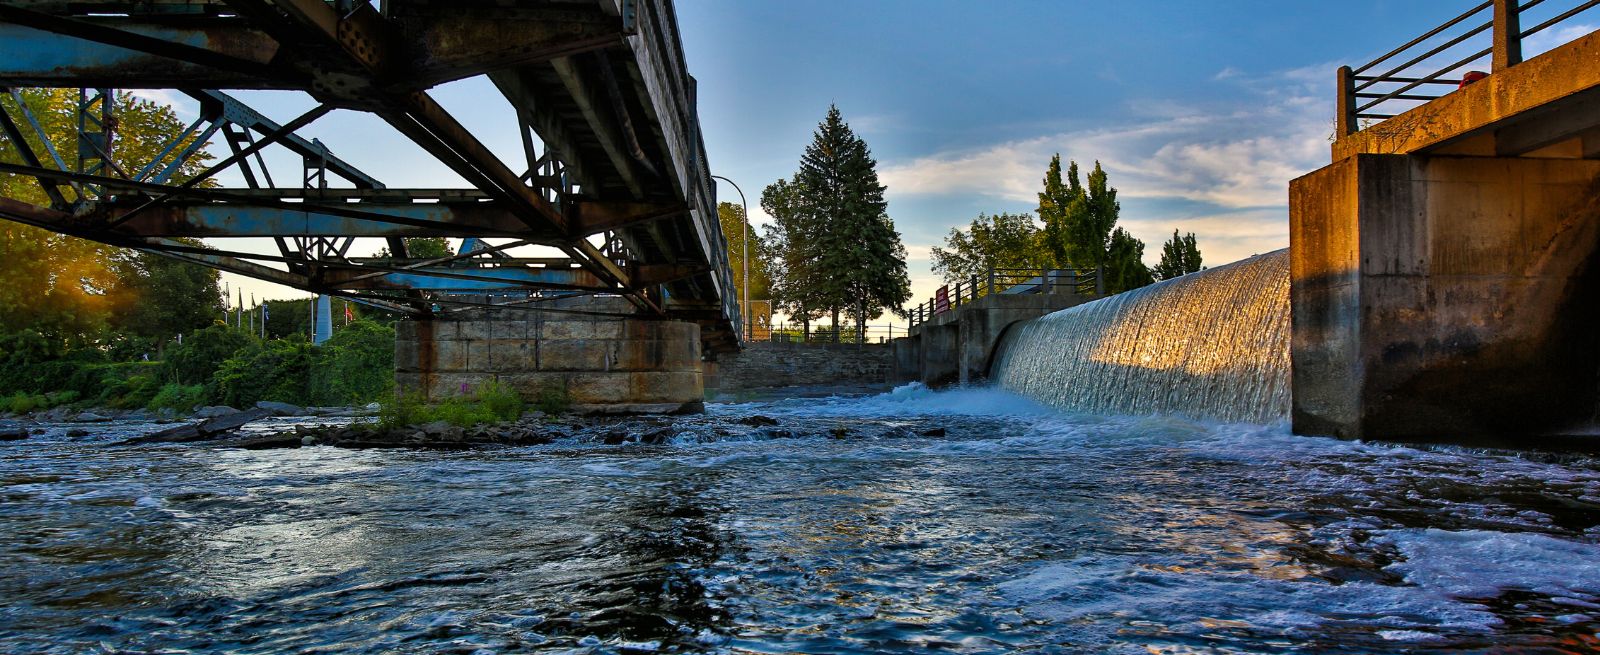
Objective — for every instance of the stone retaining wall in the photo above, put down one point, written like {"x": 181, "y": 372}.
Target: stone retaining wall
{"x": 768, "y": 365}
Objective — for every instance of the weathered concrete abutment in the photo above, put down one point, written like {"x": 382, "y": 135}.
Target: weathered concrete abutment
{"x": 958, "y": 346}
{"x": 602, "y": 363}
{"x": 1444, "y": 297}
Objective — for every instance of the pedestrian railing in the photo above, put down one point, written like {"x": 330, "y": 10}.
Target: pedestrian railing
{"x": 1413, "y": 73}
{"x": 1005, "y": 281}
{"x": 801, "y": 333}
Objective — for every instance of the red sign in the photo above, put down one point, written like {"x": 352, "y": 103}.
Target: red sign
{"x": 941, "y": 300}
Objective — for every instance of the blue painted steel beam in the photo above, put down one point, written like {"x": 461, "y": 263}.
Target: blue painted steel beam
{"x": 32, "y": 57}
{"x": 362, "y": 220}
{"x": 442, "y": 278}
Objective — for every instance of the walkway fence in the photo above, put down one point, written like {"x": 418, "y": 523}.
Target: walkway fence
{"x": 823, "y": 334}
{"x": 1007, "y": 281}
{"x": 1490, "y": 35}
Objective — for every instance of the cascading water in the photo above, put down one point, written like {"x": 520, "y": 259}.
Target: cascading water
{"x": 1213, "y": 344}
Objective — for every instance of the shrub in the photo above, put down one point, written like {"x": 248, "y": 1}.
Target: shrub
{"x": 354, "y": 367}
{"x": 177, "y": 397}
{"x": 22, "y": 403}
{"x": 402, "y": 409}
{"x": 58, "y": 398}
{"x": 197, "y": 359}
{"x": 135, "y": 392}
{"x": 498, "y": 400}
{"x": 276, "y": 370}
{"x": 491, "y": 402}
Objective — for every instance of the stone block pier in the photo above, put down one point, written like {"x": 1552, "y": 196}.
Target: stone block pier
{"x": 604, "y": 364}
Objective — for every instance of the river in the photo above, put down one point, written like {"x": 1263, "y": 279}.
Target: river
{"x": 1021, "y": 529}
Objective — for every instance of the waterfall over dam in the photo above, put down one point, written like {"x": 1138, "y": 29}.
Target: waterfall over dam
{"x": 1213, "y": 344}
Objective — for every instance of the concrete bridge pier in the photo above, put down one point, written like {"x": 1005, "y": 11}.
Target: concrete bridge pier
{"x": 602, "y": 364}
{"x": 1445, "y": 297}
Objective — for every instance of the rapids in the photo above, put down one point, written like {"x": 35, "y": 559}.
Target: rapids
{"x": 1021, "y": 529}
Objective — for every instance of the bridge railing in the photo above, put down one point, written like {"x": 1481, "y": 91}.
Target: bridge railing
{"x": 1006, "y": 281}
{"x": 1443, "y": 58}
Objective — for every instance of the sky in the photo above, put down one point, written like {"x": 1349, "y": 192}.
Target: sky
{"x": 1200, "y": 112}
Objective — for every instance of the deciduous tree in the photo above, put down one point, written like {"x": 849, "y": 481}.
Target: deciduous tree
{"x": 1124, "y": 269}
{"x": 735, "y": 227}
{"x": 1179, "y": 256}
{"x": 1000, "y": 241}
{"x": 64, "y": 288}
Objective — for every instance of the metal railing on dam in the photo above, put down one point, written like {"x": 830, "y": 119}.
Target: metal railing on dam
{"x": 1434, "y": 64}
{"x": 1006, "y": 281}
{"x": 612, "y": 171}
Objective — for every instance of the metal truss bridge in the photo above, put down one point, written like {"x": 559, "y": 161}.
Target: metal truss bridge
{"x": 615, "y": 175}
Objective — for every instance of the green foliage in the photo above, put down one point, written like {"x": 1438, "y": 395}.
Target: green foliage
{"x": 788, "y": 238}
{"x": 735, "y": 228}
{"x": 202, "y": 352}
{"x": 178, "y": 398}
{"x": 402, "y": 409}
{"x": 1125, "y": 269}
{"x": 421, "y": 248}
{"x": 841, "y": 252}
{"x": 1078, "y": 220}
{"x": 1179, "y": 256}
{"x": 277, "y": 370}
{"x": 66, "y": 289}
{"x": 22, "y": 403}
{"x": 130, "y": 393}
{"x": 159, "y": 297}
{"x": 355, "y": 366}
{"x": 1060, "y": 204}
{"x": 491, "y": 402}
{"x": 999, "y": 241}
{"x": 1081, "y": 227}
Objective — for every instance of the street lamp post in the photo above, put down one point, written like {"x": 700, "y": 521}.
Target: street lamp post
{"x": 744, "y": 258}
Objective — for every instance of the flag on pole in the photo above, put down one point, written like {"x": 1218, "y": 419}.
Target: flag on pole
{"x": 264, "y": 314}
{"x": 225, "y": 294}
{"x": 239, "y": 321}
{"x": 348, "y": 316}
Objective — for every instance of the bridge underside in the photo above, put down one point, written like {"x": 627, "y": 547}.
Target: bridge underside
{"x": 613, "y": 175}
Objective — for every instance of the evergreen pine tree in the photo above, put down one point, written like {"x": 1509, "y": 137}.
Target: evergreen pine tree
{"x": 859, "y": 262}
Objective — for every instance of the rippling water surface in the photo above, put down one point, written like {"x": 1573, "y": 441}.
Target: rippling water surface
{"x": 1019, "y": 530}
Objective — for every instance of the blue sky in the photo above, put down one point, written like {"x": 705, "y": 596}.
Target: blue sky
{"x": 1200, "y": 111}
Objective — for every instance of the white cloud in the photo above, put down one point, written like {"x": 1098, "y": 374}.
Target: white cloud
{"x": 1551, "y": 38}
{"x": 1236, "y": 158}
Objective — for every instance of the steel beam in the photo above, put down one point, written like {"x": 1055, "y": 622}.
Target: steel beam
{"x": 370, "y": 220}
{"x": 459, "y": 280}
